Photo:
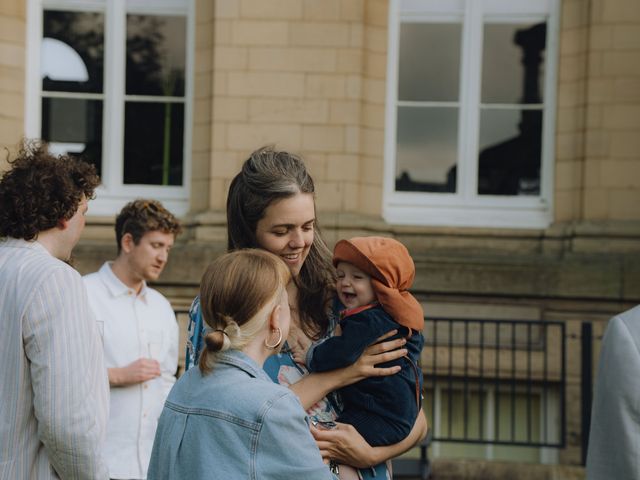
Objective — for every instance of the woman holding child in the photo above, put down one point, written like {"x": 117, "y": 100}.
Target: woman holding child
{"x": 271, "y": 206}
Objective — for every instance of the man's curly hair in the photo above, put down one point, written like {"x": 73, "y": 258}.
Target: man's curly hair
{"x": 40, "y": 189}
{"x": 142, "y": 216}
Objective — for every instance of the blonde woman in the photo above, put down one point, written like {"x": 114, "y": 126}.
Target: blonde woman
{"x": 227, "y": 419}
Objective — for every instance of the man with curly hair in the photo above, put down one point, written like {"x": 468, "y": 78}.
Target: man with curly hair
{"x": 140, "y": 333}
{"x": 53, "y": 386}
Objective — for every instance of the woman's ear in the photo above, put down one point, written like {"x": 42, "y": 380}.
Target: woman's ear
{"x": 274, "y": 317}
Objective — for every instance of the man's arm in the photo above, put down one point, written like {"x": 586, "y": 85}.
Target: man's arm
{"x": 68, "y": 377}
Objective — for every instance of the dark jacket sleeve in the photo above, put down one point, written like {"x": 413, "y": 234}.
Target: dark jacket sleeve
{"x": 358, "y": 332}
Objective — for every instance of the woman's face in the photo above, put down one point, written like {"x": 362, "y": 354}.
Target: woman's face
{"x": 287, "y": 228}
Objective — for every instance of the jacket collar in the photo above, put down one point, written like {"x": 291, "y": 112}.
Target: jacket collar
{"x": 240, "y": 360}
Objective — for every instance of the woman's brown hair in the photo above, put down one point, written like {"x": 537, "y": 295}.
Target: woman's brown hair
{"x": 269, "y": 175}
{"x": 234, "y": 289}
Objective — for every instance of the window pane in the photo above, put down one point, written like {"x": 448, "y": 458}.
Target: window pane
{"x": 510, "y": 152}
{"x": 72, "y": 52}
{"x": 429, "y": 65}
{"x": 74, "y": 126}
{"x": 156, "y": 52}
{"x": 427, "y": 149}
{"x": 153, "y": 143}
{"x": 512, "y": 63}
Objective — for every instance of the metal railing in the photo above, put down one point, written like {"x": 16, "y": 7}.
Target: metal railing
{"x": 498, "y": 382}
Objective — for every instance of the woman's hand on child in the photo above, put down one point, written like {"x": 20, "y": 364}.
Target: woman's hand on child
{"x": 344, "y": 445}
{"x": 376, "y": 354}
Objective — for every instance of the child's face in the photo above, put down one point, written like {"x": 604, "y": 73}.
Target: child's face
{"x": 353, "y": 286}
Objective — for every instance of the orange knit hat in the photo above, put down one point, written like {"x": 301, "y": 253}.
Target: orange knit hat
{"x": 392, "y": 271}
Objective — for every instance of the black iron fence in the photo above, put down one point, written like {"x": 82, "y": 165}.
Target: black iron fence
{"x": 498, "y": 382}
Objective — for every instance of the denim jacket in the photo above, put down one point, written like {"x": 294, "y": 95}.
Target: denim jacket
{"x": 234, "y": 423}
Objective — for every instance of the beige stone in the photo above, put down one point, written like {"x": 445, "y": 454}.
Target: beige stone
{"x": 601, "y": 90}
{"x": 201, "y": 164}
{"x": 329, "y": 196}
{"x": 343, "y": 112}
{"x": 621, "y": 174}
{"x": 260, "y": 32}
{"x": 11, "y": 55}
{"x": 323, "y": 138}
{"x": 205, "y": 11}
{"x": 592, "y": 173}
{"x": 264, "y": 9}
{"x": 627, "y": 37}
{"x": 202, "y": 86}
{"x": 231, "y": 58}
{"x": 226, "y": 164}
{"x": 11, "y": 105}
{"x": 627, "y": 89}
{"x": 621, "y": 63}
{"x": 374, "y": 90}
{"x": 201, "y": 138}
{"x": 354, "y": 86}
{"x": 266, "y": 84}
{"x": 203, "y": 61}
{"x": 350, "y": 197}
{"x": 372, "y": 170}
{"x": 568, "y": 175}
{"x": 321, "y": 10}
{"x": 349, "y": 60}
{"x": 293, "y": 59}
{"x": 12, "y": 79}
{"x": 625, "y": 144}
{"x": 356, "y": 36}
{"x": 312, "y": 34}
{"x": 600, "y": 37}
{"x": 370, "y": 199}
{"x": 12, "y": 29}
{"x": 373, "y": 116}
{"x": 342, "y": 167}
{"x": 352, "y": 10}
{"x": 571, "y": 94}
{"x": 575, "y": 14}
{"x": 598, "y": 143}
{"x": 621, "y": 11}
{"x": 624, "y": 204}
{"x": 373, "y": 145}
{"x": 219, "y": 136}
{"x": 375, "y": 65}
{"x": 316, "y": 164}
{"x": 594, "y": 117}
{"x": 224, "y": 8}
{"x": 204, "y": 35}
{"x": 596, "y": 63}
{"x": 622, "y": 117}
{"x": 13, "y": 8}
{"x": 284, "y": 110}
{"x": 375, "y": 39}
{"x": 320, "y": 85}
{"x": 230, "y": 109}
{"x": 352, "y": 139}
{"x": 571, "y": 119}
{"x": 220, "y": 83}
{"x": 565, "y": 206}
{"x": 572, "y": 67}
{"x": 11, "y": 130}
{"x": 596, "y": 204}
{"x": 568, "y": 145}
{"x": 248, "y": 137}
{"x": 376, "y": 12}
{"x": 222, "y": 32}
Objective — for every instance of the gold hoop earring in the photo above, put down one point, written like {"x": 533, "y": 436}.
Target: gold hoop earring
{"x": 277, "y": 344}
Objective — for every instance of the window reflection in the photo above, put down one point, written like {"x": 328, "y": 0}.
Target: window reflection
{"x": 156, "y": 53}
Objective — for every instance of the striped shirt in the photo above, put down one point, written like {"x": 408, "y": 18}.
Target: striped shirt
{"x": 53, "y": 384}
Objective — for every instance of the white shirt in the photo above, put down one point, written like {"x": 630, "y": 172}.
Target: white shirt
{"x": 135, "y": 326}
{"x": 54, "y": 392}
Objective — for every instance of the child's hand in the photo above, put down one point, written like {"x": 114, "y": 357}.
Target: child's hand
{"x": 299, "y": 345}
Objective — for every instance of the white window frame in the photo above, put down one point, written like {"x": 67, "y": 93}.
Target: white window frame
{"x": 112, "y": 194}
{"x": 466, "y": 207}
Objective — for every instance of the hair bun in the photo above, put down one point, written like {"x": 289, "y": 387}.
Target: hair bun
{"x": 217, "y": 341}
